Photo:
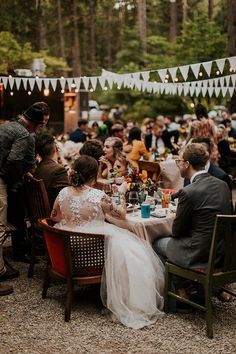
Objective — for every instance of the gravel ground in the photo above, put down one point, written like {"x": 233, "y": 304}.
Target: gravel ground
{"x": 31, "y": 325}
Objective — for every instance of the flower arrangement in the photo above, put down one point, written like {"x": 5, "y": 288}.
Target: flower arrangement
{"x": 140, "y": 183}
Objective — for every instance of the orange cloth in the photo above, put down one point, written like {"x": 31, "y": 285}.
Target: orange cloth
{"x": 138, "y": 150}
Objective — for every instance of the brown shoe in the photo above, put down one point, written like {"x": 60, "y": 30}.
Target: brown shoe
{"x": 5, "y": 289}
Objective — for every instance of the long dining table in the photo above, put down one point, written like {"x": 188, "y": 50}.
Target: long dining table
{"x": 148, "y": 229}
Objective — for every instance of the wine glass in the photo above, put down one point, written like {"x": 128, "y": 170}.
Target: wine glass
{"x": 133, "y": 199}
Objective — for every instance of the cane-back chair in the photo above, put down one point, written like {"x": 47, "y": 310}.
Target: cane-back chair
{"x": 38, "y": 207}
{"x": 210, "y": 278}
{"x": 73, "y": 256}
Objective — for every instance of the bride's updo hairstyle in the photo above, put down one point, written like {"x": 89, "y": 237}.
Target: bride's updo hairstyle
{"x": 85, "y": 169}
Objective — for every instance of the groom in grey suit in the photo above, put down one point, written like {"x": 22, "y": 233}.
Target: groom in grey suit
{"x": 199, "y": 203}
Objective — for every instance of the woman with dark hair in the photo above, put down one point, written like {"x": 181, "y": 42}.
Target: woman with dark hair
{"x": 138, "y": 147}
{"x": 113, "y": 160}
{"x": 92, "y": 148}
{"x": 133, "y": 276}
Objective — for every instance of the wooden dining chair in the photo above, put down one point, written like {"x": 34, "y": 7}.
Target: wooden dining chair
{"x": 37, "y": 207}
{"x": 210, "y": 278}
{"x": 73, "y": 256}
{"x": 152, "y": 168}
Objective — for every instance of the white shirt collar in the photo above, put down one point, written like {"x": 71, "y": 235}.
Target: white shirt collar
{"x": 196, "y": 174}
{"x": 207, "y": 166}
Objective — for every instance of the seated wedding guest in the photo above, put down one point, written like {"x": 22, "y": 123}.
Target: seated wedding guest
{"x": 133, "y": 278}
{"x": 49, "y": 170}
{"x": 117, "y": 131}
{"x": 92, "y": 148}
{"x": 114, "y": 160}
{"x": 172, "y": 127}
{"x": 81, "y": 133}
{"x": 147, "y": 126}
{"x": 138, "y": 147}
{"x": 199, "y": 203}
{"x": 160, "y": 138}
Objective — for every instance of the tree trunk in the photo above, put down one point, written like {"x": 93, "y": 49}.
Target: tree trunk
{"x": 60, "y": 30}
{"x": 184, "y": 11}
{"x": 173, "y": 20}
{"x": 142, "y": 23}
{"x": 76, "y": 49}
{"x": 92, "y": 35}
{"x": 42, "y": 42}
{"x": 232, "y": 42}
{"x": 210, "y": 9}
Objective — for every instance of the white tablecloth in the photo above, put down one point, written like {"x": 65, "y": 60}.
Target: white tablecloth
{"x": 148, "y": 229}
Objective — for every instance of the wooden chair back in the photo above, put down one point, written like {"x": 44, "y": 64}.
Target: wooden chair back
{"x": 211, "y": 278}
{"x": 153, "y": 169}
{"x": 37, "y": 207}
{"x": 74, "y": 256}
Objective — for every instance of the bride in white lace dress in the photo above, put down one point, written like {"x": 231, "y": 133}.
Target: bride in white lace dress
{"x": 133, "y": 276}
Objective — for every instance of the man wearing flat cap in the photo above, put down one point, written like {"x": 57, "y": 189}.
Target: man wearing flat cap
{"x": 17, "y": 157}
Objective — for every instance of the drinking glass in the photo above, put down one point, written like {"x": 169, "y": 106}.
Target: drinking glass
{"x": 133, "y": 199}
{"x": 166, "y": 199}
{"x": 107, "y": 189}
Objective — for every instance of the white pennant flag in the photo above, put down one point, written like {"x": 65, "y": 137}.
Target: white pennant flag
{"x": 162, "y": 74}
{"x": 127, "y": 80}
{"x": 11, "y": 82}
{"x": 144, "y": 85}
{"x": 207, "y": 66}
{"x": 77, "y": 82}
{"x": 227, "y": 80}
{"x": 173, "y": 72}
{"x": 211, "y": 82}
{"x": 39, "y": 83}
{"x": 220, "y": 63}
{"x": 179, "y": 89}
{"x": 53, "y": 84}
{"x": 18, "y": 82}
{"x": 197, "y": 91}
{"x": 46, "y": 83}
{"x": 233, "y": 79}
{"x": 222, "y": 81}
{"x": 136, "y": 76}
{"x": 199, "y": 83}
{"x": 85, "y": 80}
{"x": 31, "y": 83}
{"x": 145, "y": 75}
{"x": 25, "y": 81}
{"x": 69, "y": 82}
{"x": 216, "y": 82}
{"x": 186, "y": 90}
{"x": 162, "y": 88}
{"x": 102, "y": 81}
{"x": 62, "y": 83}
{"x": 5, "y": 81}
{"x": 217, "y": 91}
{"x": 119, "y": 80}
{"x": 184, "y": 71}
{"x": 174, "y": 89}
{"x": 110, "y": 81}
{"x": 94, "y": 80}
{"x": 204, "y": 90}
{"x": 231, "y": 91}
{"x": 138, "y": 84}
{"x": 192, "y": 91}
{"x": 195, "y": 69}
{"x": 232, "y": 62}
{"x": 210, "y": 91}
{"x": 224, "y": 91}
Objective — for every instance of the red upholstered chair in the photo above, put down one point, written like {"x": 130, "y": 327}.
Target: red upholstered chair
{"x": 74, "y": 256}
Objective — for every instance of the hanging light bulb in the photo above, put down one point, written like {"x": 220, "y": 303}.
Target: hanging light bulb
{"x": 176, "y": 79}
{"x": 11, "y": 93}
{"x": 46, "y": 92}
{"x": 62, "y": 91}
{"x": 217, "y": 73}
{"x": 200, "y": 74}
{"x": 29, "y": 93}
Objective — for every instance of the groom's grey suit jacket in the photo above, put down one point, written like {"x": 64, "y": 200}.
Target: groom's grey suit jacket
{"x": 198, "y": 205}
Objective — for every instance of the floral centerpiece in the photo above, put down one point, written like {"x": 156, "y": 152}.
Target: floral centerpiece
{"x": 140, "y": 183}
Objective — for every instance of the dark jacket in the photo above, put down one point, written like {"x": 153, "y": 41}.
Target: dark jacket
{"x": 54, "y": 176}
{"x": 165, "y": 137}
{"x": 192, "y": 229}
{"x": 78, "y": 136}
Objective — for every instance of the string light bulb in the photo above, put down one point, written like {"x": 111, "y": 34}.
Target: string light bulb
{"x": 29, "y": 93}
{"x": 11, "y": 93}
{"x": 46, "y": 92}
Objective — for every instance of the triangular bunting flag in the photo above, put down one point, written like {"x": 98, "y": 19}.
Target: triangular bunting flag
{"x": 224, "y": 91}
{"x": 85, "y": 80}
{"x": 145, "y": 75}
{"x": 232, "y": 62}
{"x": 18, "y": 82}
{"x": 39, "y": 83}
{"x": 31, "y": 83}
{"x": 172, "y": 72}
{"x": 207, "y": 66}
{"x": 227, "y": 80}
{"x": 184, "y": 71}
{"x": 216, "y": 82}
{"x": 53, "y": 84}
{"x": 186, "y": 90}
{"x": 217, "y": 91}
{"x": 222, "y": 81}
{"x": 93, "y": 81}
{"x": 46, "y": 83}
{"x": 195, "y": 69}
{"x": 136, "y": 75}
{"x": 119, "y": 80}
{"x": 77, "y": 82}
{"x": 69, "y": 82}
{"x": 192, "y": 91}
{"x": 197, "y": 91}
{"x": 204, "y": 90}
{"x": 11, "y": 82}
{"x": 62, "y": 83}
{"x": 25, "y": 81}
{"x": 179, "y": 89}
{"x": 162, "y": 74}
{"x": 102, "y": 81}
{"x": 138, "y": 84}
{"x": 231, "y": 91}
{"x": 110, "y": 81}
{"x": 220, "y": 63}
{"x": 233, "y": 79}
{"x": 5, "y": 81}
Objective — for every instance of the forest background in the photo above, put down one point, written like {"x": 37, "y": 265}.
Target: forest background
{"x": 80, "y": 37}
